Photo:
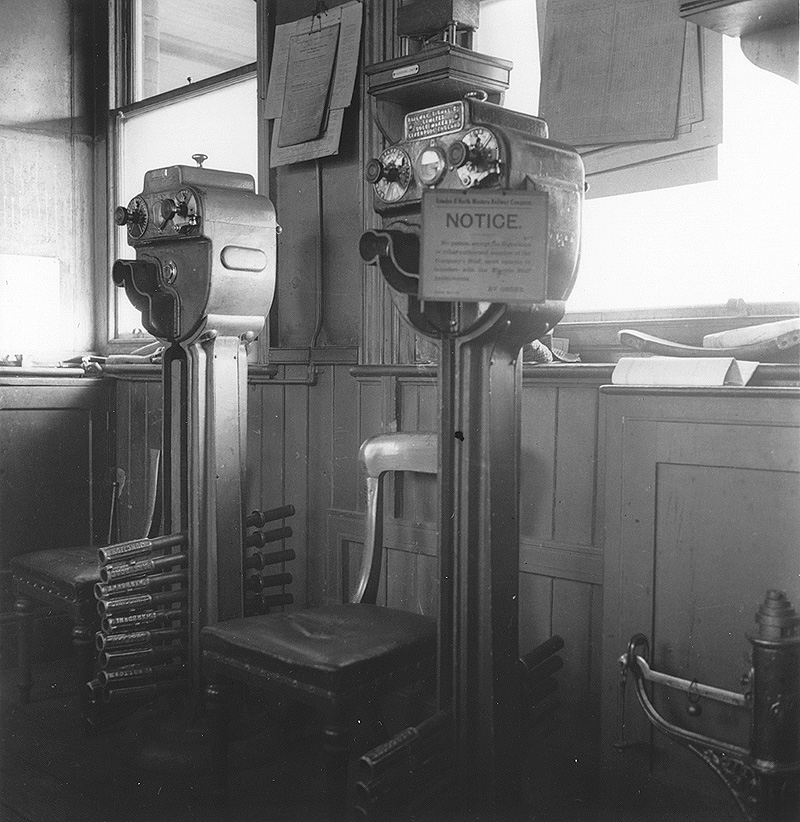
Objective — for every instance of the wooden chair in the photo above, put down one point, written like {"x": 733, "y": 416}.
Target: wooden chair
{"x": 63, "y": 579}
{"x": 335, "y": 656}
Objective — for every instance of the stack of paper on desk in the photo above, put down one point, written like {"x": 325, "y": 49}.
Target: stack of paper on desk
{"x": 695, "y": 371}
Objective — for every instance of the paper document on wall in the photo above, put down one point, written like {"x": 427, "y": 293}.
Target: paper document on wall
{"x": 309, "y": 72}
{"x": 683, "y": 371}
{"x": 312, "y": 76}
{"x": 619, "y": 79}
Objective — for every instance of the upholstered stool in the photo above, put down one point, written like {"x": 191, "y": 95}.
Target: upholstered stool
{"x": 63, "y": 579}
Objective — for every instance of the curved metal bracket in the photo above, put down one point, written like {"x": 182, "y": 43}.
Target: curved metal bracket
{"x": 157, "y": 303}
{"x": 396, "y": 253}
{"x": 729, "y": 762}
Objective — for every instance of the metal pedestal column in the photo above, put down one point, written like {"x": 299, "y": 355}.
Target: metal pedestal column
{"x": 480, "y": 382}
{"x": 205, "y": 416}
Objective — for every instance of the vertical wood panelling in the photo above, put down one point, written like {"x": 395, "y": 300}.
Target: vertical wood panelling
{"x": 46, "y": 476}
{"x": 535, "y": 609}
{"x": 270, "y": 472}
{"x": 295, "y": 458}
{"x": 302, "y": 449}
{"x": 138, "y": 462}
{"x": 596, "y": 651}
{"x": 427, "y": 503}
{"x": 55, "y": 460}
{"x": 408, "y": 402}
{"x": 576, "y": 456}
{"x": 401, "y": 576}
{"x": 537, "y": 461}
{"x": 427, "y": 585}
{"x": 345, "y": 440}
{"x": 578, "y": 727}
{"x": 155, "y": 409}
{"x": 572, "y": 603}
{"x": 123, "y": 449}
{"x": 428, "y": 408}
{"x": 321, "y": 558}
{"x": 138, "y": 416}
{"x": 372, "y": 413}
{"x": 252, "y": 495}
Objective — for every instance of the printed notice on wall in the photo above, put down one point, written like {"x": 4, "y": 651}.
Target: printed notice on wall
{"x": 484, "y": 246}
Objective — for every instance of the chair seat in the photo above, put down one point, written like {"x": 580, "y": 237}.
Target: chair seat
{"x": 333, "y": 647}
{"x": 67, "y": 573}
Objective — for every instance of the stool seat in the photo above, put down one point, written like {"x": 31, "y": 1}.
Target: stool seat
{"x": 64, "y": 580}
{"x": 336, "y": 648}
{"x": 66, "y": 575}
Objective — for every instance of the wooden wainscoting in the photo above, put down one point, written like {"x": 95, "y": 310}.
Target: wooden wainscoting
{"x": 303, "y": 443}
{"x": 55, "y": 485}
{"x": 302, "y": 449}
{"x": 561, "y": 564}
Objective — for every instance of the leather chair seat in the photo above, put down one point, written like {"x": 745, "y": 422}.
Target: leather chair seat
{"x": 66, "y": 573}
{"x": 333, "y": 657}
{"x": 333, "y": 647}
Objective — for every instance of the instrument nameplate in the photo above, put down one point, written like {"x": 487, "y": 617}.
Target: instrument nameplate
{"x": 431, "y": 122}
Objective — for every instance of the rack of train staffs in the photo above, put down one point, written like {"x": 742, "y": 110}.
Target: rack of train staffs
{"x": 142, "y": 599}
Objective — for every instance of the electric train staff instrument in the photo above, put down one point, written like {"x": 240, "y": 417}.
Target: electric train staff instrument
{"x": 203, "y": 279}
{"x": 479, "y": 242}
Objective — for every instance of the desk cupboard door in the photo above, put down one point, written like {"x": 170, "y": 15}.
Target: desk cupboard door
{"x": 702, "y": 517}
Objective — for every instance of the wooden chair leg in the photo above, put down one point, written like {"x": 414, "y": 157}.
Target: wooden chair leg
{"x": 217, "y": 710}
{"x": 338, "y": 745}
{"x": 24, "y": 610}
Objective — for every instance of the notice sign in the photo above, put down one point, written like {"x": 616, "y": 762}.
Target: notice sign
{"x": 480, "y": 246}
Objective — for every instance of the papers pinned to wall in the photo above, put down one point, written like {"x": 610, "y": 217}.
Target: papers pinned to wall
{"x": 314, "y": 64}
{"x": 635, "y": 89}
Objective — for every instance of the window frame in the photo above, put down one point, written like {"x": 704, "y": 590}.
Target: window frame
{"x": 593, "y": 334}
{"x": 122, "y": 31}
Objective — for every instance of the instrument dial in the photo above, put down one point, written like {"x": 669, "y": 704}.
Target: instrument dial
{"x": 137, "y": 218}
{"x": 482, "y": 157}
{"x": 430, "y": 165}
{"x": 395, "y": 175}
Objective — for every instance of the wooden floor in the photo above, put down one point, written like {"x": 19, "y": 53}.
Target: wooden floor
{"x": 148, "y": 770}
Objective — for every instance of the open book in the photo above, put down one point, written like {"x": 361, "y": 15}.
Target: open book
{"x": 694, "y": 371}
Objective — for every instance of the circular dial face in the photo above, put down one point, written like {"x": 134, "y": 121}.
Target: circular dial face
{"x": 483, "y": 155}
{"x": 396, "y": 176}
{"x": 430, "y": 165}
{"x": 138, "y": 217}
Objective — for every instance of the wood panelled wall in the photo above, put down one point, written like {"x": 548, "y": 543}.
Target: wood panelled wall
{"x": 55, "y": 485}
{"x": 302, "y": 449}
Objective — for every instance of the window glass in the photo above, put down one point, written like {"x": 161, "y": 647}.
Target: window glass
{"x": 702, "y": 244}
{"x": 508, "y": 30}
{"x": 221, "y": 123}
{"x": 31, "y": 317}
{"x": 179, "y": 42}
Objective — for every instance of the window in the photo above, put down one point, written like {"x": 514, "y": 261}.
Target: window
{"x": 700, "y": 244}
{"x": 180, "y": 42}
{"x": 703, "y": 244}
{"x": 189, "y": 87}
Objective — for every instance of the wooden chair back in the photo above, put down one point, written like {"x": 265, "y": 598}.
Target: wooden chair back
{"x": 416, "y": 452}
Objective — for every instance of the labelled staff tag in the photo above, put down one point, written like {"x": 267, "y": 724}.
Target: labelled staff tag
{"x": 484, "y": 246}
